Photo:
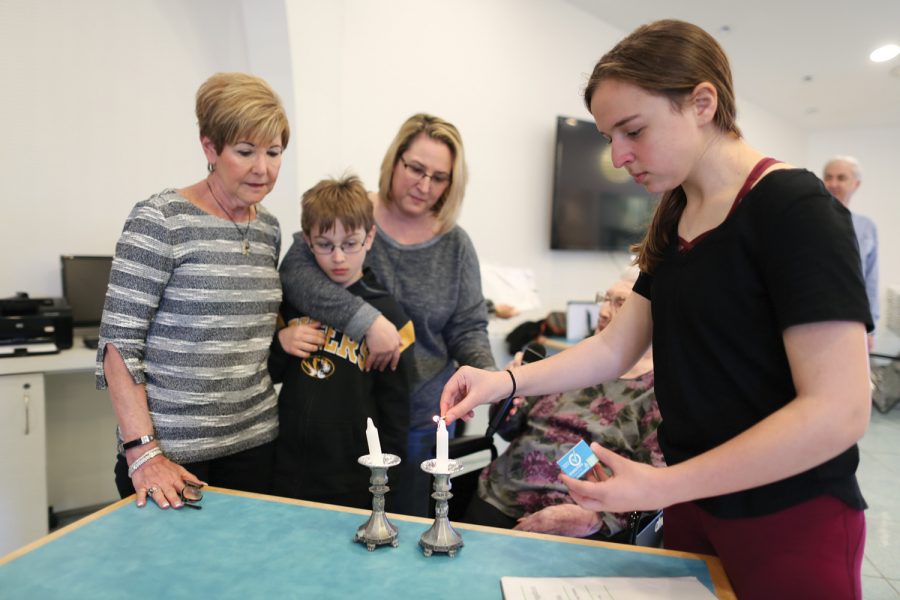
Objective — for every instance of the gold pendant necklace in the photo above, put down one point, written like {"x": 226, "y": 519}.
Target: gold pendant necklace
{"x": 245, "y": 243}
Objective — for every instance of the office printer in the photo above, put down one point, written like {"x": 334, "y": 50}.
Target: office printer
{"x": 34, "y": 325}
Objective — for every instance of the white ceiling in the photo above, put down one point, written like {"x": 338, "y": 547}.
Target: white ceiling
{"x": 773, "y": 46}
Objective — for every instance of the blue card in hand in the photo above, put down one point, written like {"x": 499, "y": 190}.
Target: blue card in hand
{"x": 577, "y": 461}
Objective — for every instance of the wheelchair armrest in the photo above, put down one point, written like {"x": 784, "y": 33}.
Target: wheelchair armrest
{"x": 469, "y": 444}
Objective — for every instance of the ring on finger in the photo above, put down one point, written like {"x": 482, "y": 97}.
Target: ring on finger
{"x": 152, "y": 490}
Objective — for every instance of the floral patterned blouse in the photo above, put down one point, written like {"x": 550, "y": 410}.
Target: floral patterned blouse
{"x": 621, "y": 415}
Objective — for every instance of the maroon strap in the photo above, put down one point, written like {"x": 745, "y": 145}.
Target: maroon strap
{"x": 757, "y": 170}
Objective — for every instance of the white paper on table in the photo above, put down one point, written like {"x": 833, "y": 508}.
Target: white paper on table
{"x": 604, "y": 588}
{"x": 514, "y": 286}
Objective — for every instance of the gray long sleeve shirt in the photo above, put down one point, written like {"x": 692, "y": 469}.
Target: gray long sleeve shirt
{"x": 438, "y": 284}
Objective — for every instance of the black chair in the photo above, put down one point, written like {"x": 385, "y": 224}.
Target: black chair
{"x": 644, "y": 529}
{"x": 465, "y": 484}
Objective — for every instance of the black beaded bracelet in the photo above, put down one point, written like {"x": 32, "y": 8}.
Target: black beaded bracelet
{"x": 513, "y": 392}
{"x": 144, "y": 439}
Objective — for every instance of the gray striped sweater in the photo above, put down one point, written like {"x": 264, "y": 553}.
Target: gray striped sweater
{"x": 194, "y": 318}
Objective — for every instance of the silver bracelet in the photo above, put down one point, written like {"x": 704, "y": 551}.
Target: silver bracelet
{"x": 143, "y": 458}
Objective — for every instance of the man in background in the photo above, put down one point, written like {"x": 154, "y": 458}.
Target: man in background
{"x": 842, "y": 178}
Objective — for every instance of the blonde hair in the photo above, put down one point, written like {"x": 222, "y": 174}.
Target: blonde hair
{"x": 333, "y": 200}
{"x": 233, "y": 106}
{"x": 446, "y": 209}
{"x": 669, "y": 58}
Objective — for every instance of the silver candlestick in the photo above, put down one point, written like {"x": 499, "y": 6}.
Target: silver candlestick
{"x": 441, "y": 537}
{"x": 378, "y": 530}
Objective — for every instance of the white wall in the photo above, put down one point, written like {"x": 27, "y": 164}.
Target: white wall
{"x": 501, "y": 71}
{"x": 103, "y": 97}
{"x": 98, "y": 105}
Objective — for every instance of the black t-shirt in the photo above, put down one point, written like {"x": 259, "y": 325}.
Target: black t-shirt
{"x": 786, "y": 256}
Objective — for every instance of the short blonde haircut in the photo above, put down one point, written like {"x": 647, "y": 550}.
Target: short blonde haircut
{"x": 333, "y": 200}
{"x": 234, "y": 106}
{"x": 446, "y": 209}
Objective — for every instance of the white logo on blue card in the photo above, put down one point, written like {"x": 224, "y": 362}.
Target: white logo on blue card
{"x": 577, "y": 461}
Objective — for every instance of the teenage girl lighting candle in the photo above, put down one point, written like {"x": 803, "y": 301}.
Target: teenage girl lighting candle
{"x": 752, "y": 294}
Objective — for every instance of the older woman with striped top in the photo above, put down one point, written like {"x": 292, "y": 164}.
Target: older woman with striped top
{"x": 191, "y": 310}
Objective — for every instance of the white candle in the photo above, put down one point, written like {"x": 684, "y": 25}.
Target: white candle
{"x": 442, "y": 463}
{"x": 374, "y": 444}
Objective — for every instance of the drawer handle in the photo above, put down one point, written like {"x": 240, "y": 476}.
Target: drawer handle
{"x": 27, "y": 400}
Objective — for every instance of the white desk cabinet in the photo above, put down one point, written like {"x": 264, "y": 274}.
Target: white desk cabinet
{"x": 23, "y": 475}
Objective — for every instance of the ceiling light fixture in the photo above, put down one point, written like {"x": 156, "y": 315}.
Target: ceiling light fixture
{"x": 885, "y": 53}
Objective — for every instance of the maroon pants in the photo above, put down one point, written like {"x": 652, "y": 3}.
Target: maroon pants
{"x": 811, "y": 550}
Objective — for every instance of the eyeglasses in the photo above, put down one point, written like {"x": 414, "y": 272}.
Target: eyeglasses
{"x": 616, "y": 301}
{"x": 191, "y": 495}
{"x": 418, "y": 172}
{"x": 349, "y": 246}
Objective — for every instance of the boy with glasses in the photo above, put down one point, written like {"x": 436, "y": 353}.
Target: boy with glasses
{"x": 326, "y": 393}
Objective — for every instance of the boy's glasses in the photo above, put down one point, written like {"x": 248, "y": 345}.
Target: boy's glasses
{"x": 417, "y": 171}
{"x": 350, "y": 246}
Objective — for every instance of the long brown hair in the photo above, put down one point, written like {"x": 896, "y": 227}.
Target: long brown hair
{"x": 668, "y": 58}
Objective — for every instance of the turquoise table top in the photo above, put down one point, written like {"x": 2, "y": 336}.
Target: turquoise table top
{"x": 249, "y": 546}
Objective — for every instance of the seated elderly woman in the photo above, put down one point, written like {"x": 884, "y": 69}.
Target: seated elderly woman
{"x": 520, "y": 489}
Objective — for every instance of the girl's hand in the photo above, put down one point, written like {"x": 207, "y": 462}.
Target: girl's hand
{"x": 631, "y": 486}
{"x": 470, "y": 387}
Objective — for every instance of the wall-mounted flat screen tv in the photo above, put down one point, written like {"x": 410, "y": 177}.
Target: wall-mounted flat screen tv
{"x": 595, "y": 205}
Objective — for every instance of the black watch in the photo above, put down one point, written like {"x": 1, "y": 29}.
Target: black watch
{"x": 144, "y": 439}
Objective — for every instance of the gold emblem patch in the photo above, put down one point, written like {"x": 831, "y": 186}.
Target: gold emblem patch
{"x": 317, "y": 367}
